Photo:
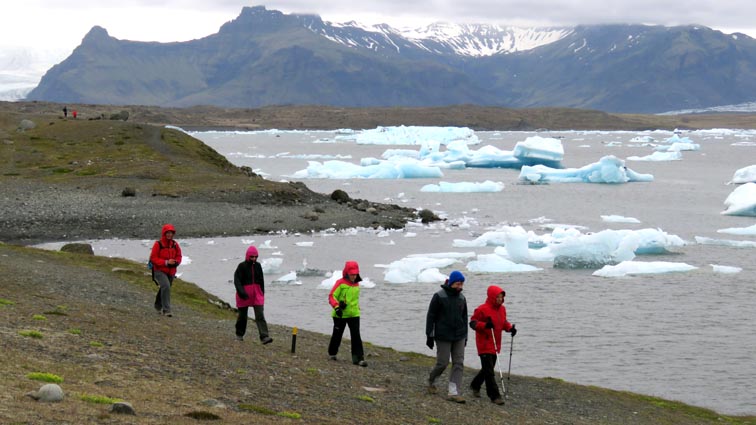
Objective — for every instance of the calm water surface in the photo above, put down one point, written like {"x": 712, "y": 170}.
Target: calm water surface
{"x": 685, "y": 336}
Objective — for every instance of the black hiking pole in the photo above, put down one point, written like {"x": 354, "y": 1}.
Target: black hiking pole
{"x": 509, "y": 370}
{"x": 498, "y": 363}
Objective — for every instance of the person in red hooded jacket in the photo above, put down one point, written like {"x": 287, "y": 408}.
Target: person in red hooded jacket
{"x": 165, "y": 258}
{"x": 250, "y": 291}
{"x": 488, "y": 320}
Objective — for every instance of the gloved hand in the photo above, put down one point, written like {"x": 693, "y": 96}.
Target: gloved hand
{"x": 429, "y": 342}
{"x": 513, "y": 331}
{"x": 342, "y": 305}
{"x": 473, "y": 324}
{"x": 339, "y": 312}
{"x": 489, "y": 323}
{"x": 243, "y": 295}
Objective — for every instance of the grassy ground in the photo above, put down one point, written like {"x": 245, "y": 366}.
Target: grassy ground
{"x": 89, "y": 321}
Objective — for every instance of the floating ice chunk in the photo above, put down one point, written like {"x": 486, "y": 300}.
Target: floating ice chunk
{"x": 412, "y": 269}
{"x": 411, "y": 135}
{"x": 290, "y": 278}
{"x": 305, "y": 244}
{"x": 743, "y": 231}
{"x": 267, "y": 245}
{"x": 677, "y": 139}
{"x": 742, "y": 201}
{"x": 487, "y": 239}
{"x": 745, "y": 175}
{"x": 655, "y": 241}
{"x": 595, "y": 250}
{"x": 492, "y": 263}
{"x": 608, "y": 169}
{"x": 271, "y": 265}
{"x": 725, "y": 242}
{"x": 626, "y": 268}
{"x": 464, "y": 187}
{"x": 658, "y": 156}
{"x": 725, "y": 269}
{"x": 383, "y": 170}
{"x": 678, "y": 147}
{"x": 619, "y": 219}
{"x": 537, "y": 150}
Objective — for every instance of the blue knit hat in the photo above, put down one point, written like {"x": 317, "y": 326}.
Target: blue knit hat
{"x": 456, "y": 276}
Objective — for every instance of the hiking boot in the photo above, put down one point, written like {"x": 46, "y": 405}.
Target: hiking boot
{"x": 333, "y": 357}
{"x": 476, "y": 393}
{"x": 267, "y": 340}
{"x": 498, "y": 401}
{"x": 456, "y": 399}
{"x": 432, "y": 389}
{"x": 239, "y": 337}
{"x": 362, "y": 363}
{"x": 167, "y": 314}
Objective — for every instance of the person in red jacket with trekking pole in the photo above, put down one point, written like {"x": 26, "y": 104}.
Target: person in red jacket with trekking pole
{"x": 488, "y": 321}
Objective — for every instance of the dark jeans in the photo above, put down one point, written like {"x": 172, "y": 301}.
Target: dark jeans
{"x": 163, "y": 297}
{"x": 487, "y": 375}
{"x": 241, "y": 321}
{"x": 339, "y": 325}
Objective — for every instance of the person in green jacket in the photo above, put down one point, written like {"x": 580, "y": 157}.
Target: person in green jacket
{"x": 344, "y": 298}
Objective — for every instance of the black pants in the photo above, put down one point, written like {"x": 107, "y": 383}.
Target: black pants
{"x": 339, "y": 325}
{"x": 487, "y": 375}
{"x": 241, "y": 321}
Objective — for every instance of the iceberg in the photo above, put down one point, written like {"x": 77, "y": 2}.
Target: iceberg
{"x": 463, "y": 187}
{"x": 492, "y": 263}
{"x": 539, "y": 150}
{"x": 745, "y": 175}
{"x": 381, "y": 170}
{"x": 608, "y": 169}
{"x": 742, "y": 201}
{"x": 417, "y": 269}
{"x": 658, "y": 156}
{"x": 629, "y": 268}
{"x": 743, "y": 231}
{"x": 725, "y": 269}
{"x": 619, "y": 219}
{"x": 410, "y": 135}
{"x": 725, "y": 242}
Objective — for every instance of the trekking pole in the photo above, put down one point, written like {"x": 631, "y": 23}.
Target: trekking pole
{"x": 509, "y": 370}
{"x": 498, "y": 363}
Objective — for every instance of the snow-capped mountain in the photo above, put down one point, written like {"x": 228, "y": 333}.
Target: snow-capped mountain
{"x": 266, "y": 57}
{"x": 443, "y": 38}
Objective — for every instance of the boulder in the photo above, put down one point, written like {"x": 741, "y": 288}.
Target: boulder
{"x": 122, "y": 408}
{"x": 78, "y": 248}
{"x": 50, "y": 393}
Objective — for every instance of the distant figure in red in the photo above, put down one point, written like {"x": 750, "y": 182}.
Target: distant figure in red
{"x": 74, "y": 113}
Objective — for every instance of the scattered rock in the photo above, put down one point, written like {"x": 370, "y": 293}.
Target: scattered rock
{"x": 340, "y": 196}
{"x": 372, "y": 210}
{"x": 202, "y": 415}
{"x": 78, "y": 248}
{"x": 311, "y": 215}
{"x": 128, "y": 191}
{"x": 50, "y": 393}
{"x": 426, "y": 216}
{"x": 120, "y": 116}
{"x": 122, "y": 408}
{"x": 26, "y": 125}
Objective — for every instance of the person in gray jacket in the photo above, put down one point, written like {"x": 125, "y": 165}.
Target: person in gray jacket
{"x": 446, "y": 328}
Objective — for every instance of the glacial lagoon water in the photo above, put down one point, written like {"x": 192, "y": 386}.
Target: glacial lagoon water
{"x": 682, "y": 336}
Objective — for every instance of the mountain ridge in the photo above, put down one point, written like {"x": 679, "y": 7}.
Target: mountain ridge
{"x": 265, "y": 57}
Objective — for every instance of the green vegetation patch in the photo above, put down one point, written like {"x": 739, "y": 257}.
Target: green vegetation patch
{"x": 39, "y": 317}
{"x": 45, "y": 377}
{"x": 3, "y": 301}
{"x": 74, "y": 331}
{"x": 31, "y": 334}
{"x": 95, "y": 344}
{"x": 98, "y": 399}
{"x": 366, "y": 398}
{"x": 292, "y": 415}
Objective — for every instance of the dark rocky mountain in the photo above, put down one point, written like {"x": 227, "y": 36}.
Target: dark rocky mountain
{"x": 265, "y": 57}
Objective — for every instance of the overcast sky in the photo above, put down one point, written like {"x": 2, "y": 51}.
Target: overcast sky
{"x": 63, "y": 23}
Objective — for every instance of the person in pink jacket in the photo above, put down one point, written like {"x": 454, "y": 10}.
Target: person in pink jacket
{"x": 165, "y": 258}
{"x": 250, "y": 292}
{"x": 488, "y": 320}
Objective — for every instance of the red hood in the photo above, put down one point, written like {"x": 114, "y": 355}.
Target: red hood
{"x": 493, "y": 292}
